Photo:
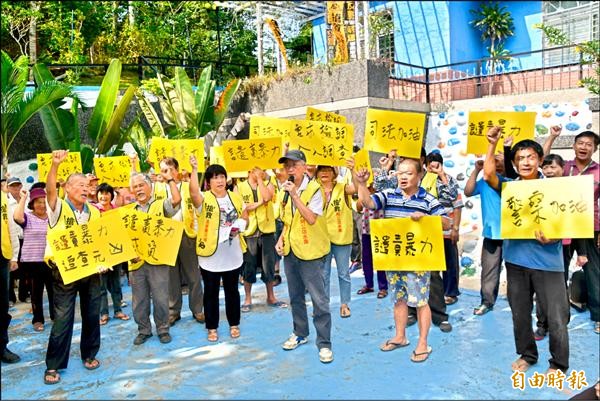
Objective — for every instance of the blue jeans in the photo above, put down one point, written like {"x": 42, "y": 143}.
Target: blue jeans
{"x": 341, "y": 253}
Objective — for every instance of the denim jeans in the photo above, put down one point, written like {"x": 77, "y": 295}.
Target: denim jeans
{"x": 367, "y": 264}
{"x": 111, "y": 282}
{"x": 305, "y": 275}
{"x": 341, "y": 253}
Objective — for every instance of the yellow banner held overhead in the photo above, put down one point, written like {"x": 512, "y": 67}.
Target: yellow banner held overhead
{"x": 72, "y": 164}
{"x": 362, "y": 160}
{"x": 114, "y": 170}
{"x": 387, "y": 130}
{"x": 313, "y": 114}
{"x": 180, "y": 149}
{"x": 217, "y": 157}
{"x": 244, "y": 155}
{"x": 322, "y": 142}
{"x": 270, "y": 127}
{"x": 521, "y": 125}
{"x": 155, "y": 239}
{"x": 406, "y": 245}
{"x": 560, "y": 207}
{"x": 80, "y": 250}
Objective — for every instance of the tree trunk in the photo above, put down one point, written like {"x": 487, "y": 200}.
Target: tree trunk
{"x": 4, "y": 165}
{"x": 130, "y": 14}
{"x": 259, "y": 39}
{"x": 35, "y": 8}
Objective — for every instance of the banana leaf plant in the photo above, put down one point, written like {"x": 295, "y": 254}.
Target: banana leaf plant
{"x": 104, "y": 128}
{"x": 188, "y": 114}
{"x": 18, "y": 106}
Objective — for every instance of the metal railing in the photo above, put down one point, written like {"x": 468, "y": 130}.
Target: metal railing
{"x": 548, "y": 69}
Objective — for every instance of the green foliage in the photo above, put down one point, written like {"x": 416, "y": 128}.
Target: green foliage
{"x": 299, "y": 48}
{"x": 189, "y": 114}
{"x": 18, "y": 106}
{"x": 590, "y": 54}
{"x": 495, "y": 23}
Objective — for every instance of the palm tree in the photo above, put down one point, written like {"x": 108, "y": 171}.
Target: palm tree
{"x": 18, "y": 106}
{"x": 495, "y": 24}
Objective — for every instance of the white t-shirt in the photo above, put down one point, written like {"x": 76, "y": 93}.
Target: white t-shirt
{"x": 228, "y": 255}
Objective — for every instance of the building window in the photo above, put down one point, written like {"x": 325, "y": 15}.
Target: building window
{"x": 577, "y": 19}
{"x": 381, "y": 27}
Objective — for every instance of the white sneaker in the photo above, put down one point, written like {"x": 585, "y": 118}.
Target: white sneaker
{"x": 293, "y": 342}
{"x": 325, "y": 355}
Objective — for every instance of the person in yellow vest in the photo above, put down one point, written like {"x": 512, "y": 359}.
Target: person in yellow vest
{"x": 222, "y": 216}
{"x": 8, "y": 263}
{"x": 62, "y": 214}
{"x": 338, "y": 215}
{"x": 304, "y": 243}
{"x": 186, "y": 267}
{"x": 258, "y": 192}
{"x": 150, "y": 282}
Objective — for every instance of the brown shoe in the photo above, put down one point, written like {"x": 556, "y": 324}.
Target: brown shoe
{"x": 199, "y": 317}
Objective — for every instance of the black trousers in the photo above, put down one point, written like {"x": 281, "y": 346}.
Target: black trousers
{"x": 437, "y": 304}
{"x": 212, "y": 282}
{"x": 41, "y": 276}
{"x": 5, "y": 317}
{"x": 24, "y": 277}
{"x": 65, "y": 297}
{"x": 551, "y": 293}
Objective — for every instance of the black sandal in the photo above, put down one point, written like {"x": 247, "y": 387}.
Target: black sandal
{"x": 53, "y": 374}
{"x": 87, "y": 363}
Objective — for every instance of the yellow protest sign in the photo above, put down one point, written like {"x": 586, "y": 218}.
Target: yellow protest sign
{"x": 560, "y": 207}
{"x": 322, "y": 142}
{"x": 362, "y": 160}
{"x": 313, "y": 114}
{"x": 155, "y": 238}
{"x": 386, "y": 130}
{"x": 80, "y": 250}
{"x": 180, "y": 149}
{"x": 521, "y": 125}
{"x": 72, "y": 164}
{"x": 270, "y": 127}
{"x": 407, "y": 245}
{"x": 114, "y": 170}
{"x": 244, "y": 155}
{"x": 217, "y": 157}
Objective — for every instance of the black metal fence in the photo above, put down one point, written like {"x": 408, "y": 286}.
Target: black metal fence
{"x": 548, "y": 69}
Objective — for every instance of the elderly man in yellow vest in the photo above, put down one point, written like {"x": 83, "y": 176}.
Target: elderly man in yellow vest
{"x": 62, "y": 214}
{"x": 304, "y": 243}
{"x": 258, "y": 194}
{"x": 149, "y": 281}
{"x": 186, "y": 266}
{"x": 8, "y": 263}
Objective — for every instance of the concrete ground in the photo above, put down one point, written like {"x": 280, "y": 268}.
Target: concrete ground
{"x": 471, "y": 362}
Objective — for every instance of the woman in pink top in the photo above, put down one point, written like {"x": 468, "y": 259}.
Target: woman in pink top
{"x": 35, "y": 227}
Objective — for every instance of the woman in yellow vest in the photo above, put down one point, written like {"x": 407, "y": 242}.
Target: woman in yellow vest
{"x": 221, "y": 218}
{"x": 338, "y": 215}
{"x": 8, "y": 263}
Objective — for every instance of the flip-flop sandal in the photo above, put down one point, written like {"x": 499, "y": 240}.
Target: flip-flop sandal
{"x": 234, "y": 331}
{"x": 121, "y": 316}
{"x": 88, "y": 363}
{"x": 390, "y": 346}
{"x": 364, "y": 290}
{"x": 520, "y": 365}
{"x": 38, "y": 326}
{"x": 246, "y": 308}
{"x": 213, "y": 336}
{"x": 482, "y": 310}
{"x": 104, "y": 320}
{"x": 53, "y": 374}
{"x": 415, "y": 355}
{"x": 382, "y": 294}
{"x": 450, "y": 300}
{"x": 278, "y": 304}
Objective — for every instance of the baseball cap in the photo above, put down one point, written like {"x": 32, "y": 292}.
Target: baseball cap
{"x": 13, "y": 180}
{"x": 294, "y": 154}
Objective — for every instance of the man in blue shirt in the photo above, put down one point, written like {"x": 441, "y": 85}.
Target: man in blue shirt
{"x": 532, "y": 266}
{"x": 491, "y": 251}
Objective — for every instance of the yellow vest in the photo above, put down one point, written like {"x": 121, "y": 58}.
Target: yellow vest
{"x": 308, "y": 242}
{"x": 209, "y": 221}
{"x": 262, "y": 217}
{"x": 339, "y": 216}
{"x": 187, "y": 207}
{"x": 67, "y": 219}
{"x": 6, "y": 244}
{"x": 429, "y": 183}
{"x": 156, "y": 209}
